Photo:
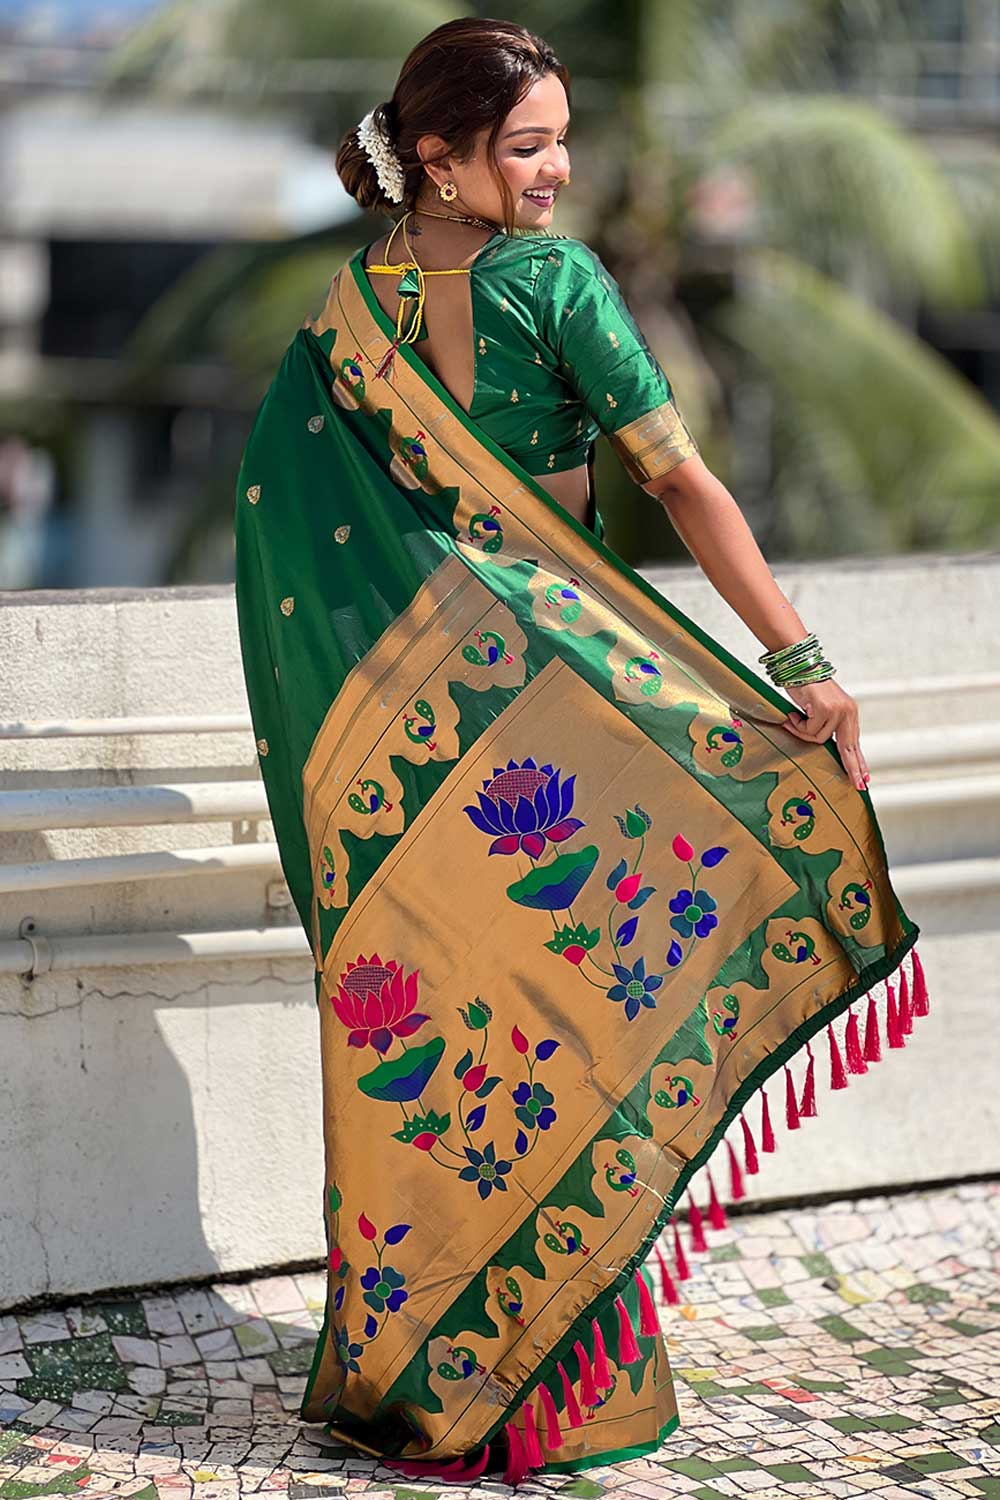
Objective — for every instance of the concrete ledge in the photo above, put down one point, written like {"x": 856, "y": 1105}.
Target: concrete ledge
{"x": 162, "y": 1119}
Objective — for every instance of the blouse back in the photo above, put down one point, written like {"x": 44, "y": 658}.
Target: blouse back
{"x": 558, "y": 359}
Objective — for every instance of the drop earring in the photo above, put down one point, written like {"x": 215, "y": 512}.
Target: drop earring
{"x": 447, "y": 192}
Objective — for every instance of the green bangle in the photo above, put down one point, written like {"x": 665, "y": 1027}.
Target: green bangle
{"x": 784, "y": 653}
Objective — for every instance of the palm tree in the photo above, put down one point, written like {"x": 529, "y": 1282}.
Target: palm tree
{"x": 771, "y": 232}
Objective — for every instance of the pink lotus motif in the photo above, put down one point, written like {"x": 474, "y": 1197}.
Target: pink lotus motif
{"x": 376, "y": 1002}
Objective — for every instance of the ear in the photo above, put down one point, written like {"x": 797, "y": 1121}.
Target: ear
{"x": 433, "y": 152}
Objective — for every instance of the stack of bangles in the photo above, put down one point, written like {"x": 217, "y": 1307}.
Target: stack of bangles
{"x": 797, "y": 664}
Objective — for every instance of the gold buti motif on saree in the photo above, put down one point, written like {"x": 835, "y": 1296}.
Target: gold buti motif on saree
{"x": 654, "y": 443}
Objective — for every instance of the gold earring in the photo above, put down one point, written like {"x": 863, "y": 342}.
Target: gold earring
{"x": 447, "y": 192}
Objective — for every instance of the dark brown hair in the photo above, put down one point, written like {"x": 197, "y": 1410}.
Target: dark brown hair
{"x": 464, "y": 75}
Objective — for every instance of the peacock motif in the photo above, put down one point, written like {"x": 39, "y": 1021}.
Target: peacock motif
{"x": 409, "y": 465}
{"x": 565, "y": 595}
{"x": 567, "y": 1239}
{"x": 512, "y": 1304}
{"x": 621, "y": 1178}
{"x": 494, "y": 649}
{"x": 802, "y": 947}
{"x": 464, "y": 1363}
{"x": 683, "y": 1092}
{"x": 641, "y": 668}
{"x": 726, "y": 1025}
{"x": 726, "y": 734}
{"x": 372, "y": 799}
{"x": 348, "y": 385}
{"x": 855, "y": 898}
{"x": 798, "y": 807}
{"x": 485, "y": 524}
{"x": 420, "y": 734}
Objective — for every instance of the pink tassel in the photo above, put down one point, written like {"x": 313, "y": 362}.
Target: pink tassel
{"x": 892, "y": 1031}
{"x": 628, "y": 1349}
{"x": 457, "y": 1469}
{"x": 905, "y": 1017}
{"x": 716, "y": 1212}
{"x": 791, "y": 1107}
{"x": 588, "y": 1390}
{"x": 807, "y": 1104}
{"x": 838, "y": 1078}
{"x": 384, "y": 365}
{"x": 698, "y": 1241}
{"x": 553, "y": 1436}
{"x": 517, "y": 1459}
{"x": 680, "y": 1261}
{"x": 602, "y": 1374}
{"x": 573, "y": 1413}
{"x": 736, "y": 1188}
{"x": 766, "y": 1132}
{"x": 649, "y": 1321}
{"x": 852, "y": 1043}
{"x": 873, "y": 1048}
{"x": 670, "y": 1292}
{"x": 921, "y": 999}
{"x": 532, "y": 1446}
{"x": 749, "y": 1149}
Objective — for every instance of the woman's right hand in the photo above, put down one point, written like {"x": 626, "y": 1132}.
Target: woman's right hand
{"x": 827, "y": 710}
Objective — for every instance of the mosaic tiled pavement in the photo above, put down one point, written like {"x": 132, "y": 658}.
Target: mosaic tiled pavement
{"x": 832, "y": 1351}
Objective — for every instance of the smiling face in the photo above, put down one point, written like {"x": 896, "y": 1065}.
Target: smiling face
{"x": 532, "y": 156}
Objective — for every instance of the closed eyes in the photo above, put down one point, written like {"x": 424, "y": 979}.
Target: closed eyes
{"x": 530, "y": 150}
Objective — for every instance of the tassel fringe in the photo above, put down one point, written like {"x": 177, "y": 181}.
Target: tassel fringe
{"x": 524, "y": 1449}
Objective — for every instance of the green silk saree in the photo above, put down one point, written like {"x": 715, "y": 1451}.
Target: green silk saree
{"x": 573, "y": 895}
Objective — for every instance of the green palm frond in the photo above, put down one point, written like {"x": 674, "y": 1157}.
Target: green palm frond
{"x": 900, "y": 451}
{"x": 834, "y": 177}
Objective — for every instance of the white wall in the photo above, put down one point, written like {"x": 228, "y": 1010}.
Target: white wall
{"x": 161, "y": 1121}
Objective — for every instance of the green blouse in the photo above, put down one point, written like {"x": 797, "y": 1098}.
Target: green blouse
{"x": 559, "y": 359}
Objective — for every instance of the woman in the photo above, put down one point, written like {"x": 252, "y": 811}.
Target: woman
{"x": 576, "y": 880}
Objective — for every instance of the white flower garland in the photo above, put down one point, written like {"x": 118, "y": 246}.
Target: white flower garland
{"x": 382, "y": 157}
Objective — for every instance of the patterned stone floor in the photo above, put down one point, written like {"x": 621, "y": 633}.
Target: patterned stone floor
{"x": 826, "y": 1352}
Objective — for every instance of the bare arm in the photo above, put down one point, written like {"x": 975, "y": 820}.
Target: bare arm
{"x": 713, "y": 528}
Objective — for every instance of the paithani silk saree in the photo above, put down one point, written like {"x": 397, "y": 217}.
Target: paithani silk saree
{"x": 573, "y": 895}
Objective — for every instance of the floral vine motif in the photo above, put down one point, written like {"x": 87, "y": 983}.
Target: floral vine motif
{"x": 382, "y": 1285}
{"x": 527, "y": 806}
{"x": 376, "y": 1001}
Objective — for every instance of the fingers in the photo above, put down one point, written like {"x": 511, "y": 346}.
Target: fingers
{"x": 844, "y": 727}
{"x": 816, "y": 730}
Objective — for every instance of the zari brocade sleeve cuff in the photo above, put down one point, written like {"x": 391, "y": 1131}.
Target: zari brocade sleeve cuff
{"x": 654, "y": 443}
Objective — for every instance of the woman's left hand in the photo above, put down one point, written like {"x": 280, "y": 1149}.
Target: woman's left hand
{"x": 827, "y": 710}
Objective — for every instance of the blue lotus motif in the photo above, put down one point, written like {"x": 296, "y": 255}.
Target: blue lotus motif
{"x": 526, "y": 806}
{"x": 486, "y": 1171}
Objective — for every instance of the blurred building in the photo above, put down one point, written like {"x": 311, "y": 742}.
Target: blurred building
{"x": 105, "y": 204}
{"x": 107, "y": 201}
